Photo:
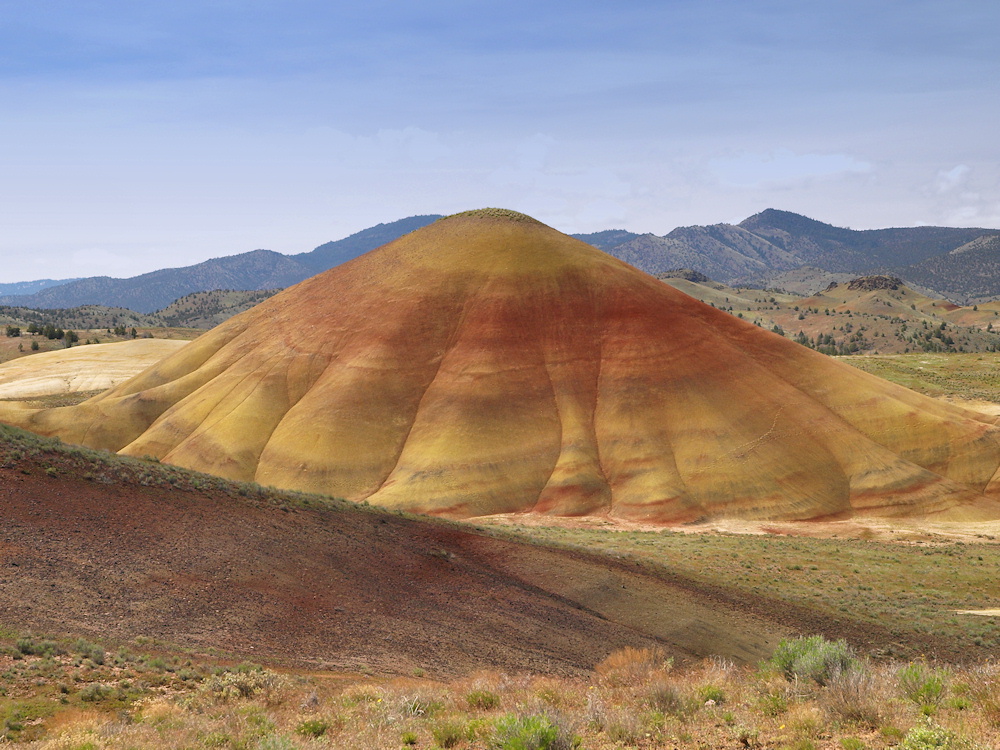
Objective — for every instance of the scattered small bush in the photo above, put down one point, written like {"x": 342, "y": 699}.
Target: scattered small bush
{"x": 747, "y": 736}
{"x": 29, "y": 647}
{"x": 855, "y": 696}
{"x": 89, "y": 650}
{"x": 420, "y": 705}
{"x": 928, "y": 736}
{"x": 361, "y": 694}
{"x": 312, "y": 728}
{"x": 667, "y": 699}
{"x": 241, "y": 684}
{"x": 712, "y": 693}
{"x": 532, "y": 732}
{"x": 449, "y": 733}
{"x": 632, "y": 666}
{"x": 482, "y": 699}
{"x": 95, "y": 692}
{"x": 921, "y": 684}
{"x": 813, "y": 658}
{"x": 773, "y": 703}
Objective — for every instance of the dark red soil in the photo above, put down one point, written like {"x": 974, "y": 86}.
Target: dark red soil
{"x": 339, "y": 587}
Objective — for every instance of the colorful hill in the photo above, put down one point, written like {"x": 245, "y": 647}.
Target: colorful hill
{"x": 490, "y": 364}
{"x": 96, "y": 367}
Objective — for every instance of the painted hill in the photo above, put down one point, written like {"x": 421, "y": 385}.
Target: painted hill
{"x": 82, "y": 368}
{"x": 490, "y": 364}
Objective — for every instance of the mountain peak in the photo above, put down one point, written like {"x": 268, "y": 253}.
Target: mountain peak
{"x": 772, "y": 218}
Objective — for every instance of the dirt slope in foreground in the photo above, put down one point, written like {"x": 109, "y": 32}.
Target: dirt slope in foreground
{"x": 337, "y": 586}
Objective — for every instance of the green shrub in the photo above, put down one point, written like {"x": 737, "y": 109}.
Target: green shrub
{"x": 89, "y": 650}
{"x": 773, "y": 704}
{"x": 312, "y": 728}
{"x": 747, "y": 736}
{"x": 922, "y": 685}
{"x": 813, "y": 658}
{"x": 928, "y": 736}
{"x": 667, "y": 699}
{"x": 236, "y": 685}
{"x": 482, "y": 699}
{"x": 533, "y": 732}
{"x": 95, "y": 692}
{"x": 28, "y": 647}
{"x": 449, "y": 733}
{"x": 420, "y": 705}
{"x": 624, "y": 729}
{"x": 275, "y": 742}
{"x": 712, "y": 693}
{"x": 216, "y": 739}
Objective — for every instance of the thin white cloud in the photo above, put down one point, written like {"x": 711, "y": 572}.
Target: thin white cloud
{"x": 948, "y": 180}
{"x": 782, "y": 167}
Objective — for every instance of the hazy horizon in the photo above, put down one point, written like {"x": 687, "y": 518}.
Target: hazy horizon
{"x": 144, "y": 137}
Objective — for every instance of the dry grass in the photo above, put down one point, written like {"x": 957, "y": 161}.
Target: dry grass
{"x": 633, "y": 700}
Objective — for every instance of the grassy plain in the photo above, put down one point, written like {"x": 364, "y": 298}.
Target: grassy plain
{"x": 911, "y": 588}
{"x": 955, "y": 376}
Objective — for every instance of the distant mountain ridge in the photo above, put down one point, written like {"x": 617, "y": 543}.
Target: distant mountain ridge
{"x": 962, "y": 264}
{"x": 252, "y": 271}
{"x": 955, "y": 262}
{"x": 30, "y": 287}
{"x": 258, "y": 269}
{"x": 828, "y": 246}
{"x": 331, "y": 254}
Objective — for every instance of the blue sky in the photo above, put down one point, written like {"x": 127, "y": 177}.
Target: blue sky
{"x": 136, "y": 136}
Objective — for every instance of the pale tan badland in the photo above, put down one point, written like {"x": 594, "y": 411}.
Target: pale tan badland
{"x": 93, "y": 367}
{"x": 489, "y": 364}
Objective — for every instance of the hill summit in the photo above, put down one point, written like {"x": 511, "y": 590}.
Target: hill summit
{"x": 488, "y": 363}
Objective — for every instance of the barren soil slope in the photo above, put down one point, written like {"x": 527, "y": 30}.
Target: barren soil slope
{"x": 488, "y": 364}
{"x": 326, "y": 583}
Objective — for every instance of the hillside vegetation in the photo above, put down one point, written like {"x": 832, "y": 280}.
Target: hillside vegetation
{"x": 872, "y": 314}
{"x": 209, "y": 309}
